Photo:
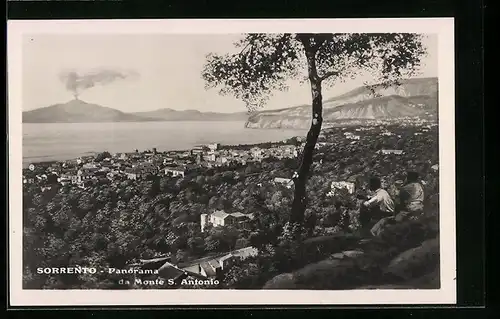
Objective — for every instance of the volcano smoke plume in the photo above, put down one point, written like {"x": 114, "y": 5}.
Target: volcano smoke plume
{"x": 77, "y": 83}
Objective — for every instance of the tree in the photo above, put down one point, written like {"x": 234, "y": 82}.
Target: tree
{"x": 101, "y": 156}
{"x": 267, "y": 61}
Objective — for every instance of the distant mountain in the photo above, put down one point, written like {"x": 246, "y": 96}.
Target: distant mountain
{"x": 192, "y": 115}
{"x": 78, "y": 111}
{"x": 413, "y": 97}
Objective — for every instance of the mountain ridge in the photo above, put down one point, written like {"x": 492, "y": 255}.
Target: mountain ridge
{"x": 413, "y": 97}
{"x": 168, "y": 114}
{"x": 78, "y": 111}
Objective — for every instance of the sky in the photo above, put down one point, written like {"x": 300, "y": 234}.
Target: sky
{"x": 168, "y": 67}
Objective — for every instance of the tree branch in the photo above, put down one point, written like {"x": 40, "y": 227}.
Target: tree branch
{"x": 334, "y": 73}
{"x": 305, "y": 40}
{"x": 245, "y": 47}
{"x": 329, "y": 74}
{"x": 319, "y": 41}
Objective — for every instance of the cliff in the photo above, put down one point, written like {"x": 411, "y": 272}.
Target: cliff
{"x": 414, "y": 97}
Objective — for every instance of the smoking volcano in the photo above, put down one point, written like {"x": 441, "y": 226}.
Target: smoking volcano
{"x": 78, "y": 111}
{"x": 76, "y": 82}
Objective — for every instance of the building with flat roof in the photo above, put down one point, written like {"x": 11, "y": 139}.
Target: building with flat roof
{"x": 387, "y": 152}
{"x": 175, "y": 171}
{"x": 221, "y": 218}
{"x": 213, "y": 266}
{"x": 287, "y": 182}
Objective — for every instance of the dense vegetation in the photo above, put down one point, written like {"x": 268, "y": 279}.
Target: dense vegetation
{"x": 116, "y": 222}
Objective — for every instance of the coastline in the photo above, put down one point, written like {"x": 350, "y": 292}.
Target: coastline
{"x": 51, "y": 158}
{"x": 49, "y": 142}
{"x": 94, "y": 153}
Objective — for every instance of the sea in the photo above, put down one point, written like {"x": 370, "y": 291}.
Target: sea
{"x": 62, "y": 141}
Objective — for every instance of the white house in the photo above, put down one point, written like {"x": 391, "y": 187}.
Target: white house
{"x": 168, "y": 160}
{"x": 28, "y": 180}
{"x": 64, "y": 181}
{"x": 386, "y": 152}
{"x": 221, "y": 218}
{"x": 45, "y": 188}
{"x": 85, "y": 184}
{"x": 174, "y": 171}
{"x": 89, "y": 165}
{"x": 197, "y": 150}
{"x": 212, "y": 267}
{"x": 227, "y": 261}
{"x": 213, "y": 146}
{"x": 351, "y": 136}
{"x": 132, "y": 173}
{"x": 283, "y": 181}
{"x": 341, "y": 185}
{"x": 210, "y": 158}
{"x": 256, "y": 152}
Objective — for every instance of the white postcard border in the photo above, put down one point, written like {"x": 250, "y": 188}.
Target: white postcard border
{"x": 443, "y": 27}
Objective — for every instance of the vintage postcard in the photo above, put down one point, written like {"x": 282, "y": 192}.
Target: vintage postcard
{"x": 231, "y": 162}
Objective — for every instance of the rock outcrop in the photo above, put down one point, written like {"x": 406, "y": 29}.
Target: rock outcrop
{"x": 403, "y": 256}
{"x": 415, "y": 262}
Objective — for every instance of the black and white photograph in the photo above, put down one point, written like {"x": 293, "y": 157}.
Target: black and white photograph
{"x": 231, "y": 162}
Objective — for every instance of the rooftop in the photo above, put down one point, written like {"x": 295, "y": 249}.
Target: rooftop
{"x": 208, "y": 270}
{"x": 214, "y": 263}
{"x": 226, "y": 257}
{"x": 245, "y": 252}
{"x": 200, "y": 260}
{"x": 131, "y": 171}
{"x": 220, "y": 214}
{"x": 169, "y": 271}
{"x": 175, "y": 169}
{"x": 238, "y": 214}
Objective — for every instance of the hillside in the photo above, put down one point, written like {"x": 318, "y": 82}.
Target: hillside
{"x": 414, "y": 97}
{"x": 78, "y": 111}
{"x": 192, "y": 115}
{"x": 106, "y": 222}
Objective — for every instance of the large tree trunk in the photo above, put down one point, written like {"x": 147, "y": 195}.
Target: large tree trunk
{"x": 300, "y": 195}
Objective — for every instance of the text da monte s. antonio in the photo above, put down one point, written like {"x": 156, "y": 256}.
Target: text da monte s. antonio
{"x": 130, "y": 271}
{"x": 159, "y": 281}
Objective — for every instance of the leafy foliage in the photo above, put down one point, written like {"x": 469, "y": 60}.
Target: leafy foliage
{"x": 267, "y": 62}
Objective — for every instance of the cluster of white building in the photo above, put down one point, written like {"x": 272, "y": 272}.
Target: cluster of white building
{"x": 351, "y": 136}
{"x": 221, "y": 218}
{"x": 212, "y": 156}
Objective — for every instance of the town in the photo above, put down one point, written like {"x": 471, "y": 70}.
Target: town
{"x": 84, "y": 172}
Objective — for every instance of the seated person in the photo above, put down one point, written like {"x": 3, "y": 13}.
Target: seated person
{"x": 380, "y": 205}
{"x": 412, "y": 195}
